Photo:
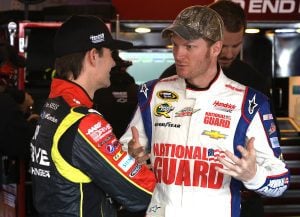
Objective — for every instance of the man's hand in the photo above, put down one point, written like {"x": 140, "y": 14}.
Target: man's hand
{"x": 243, "y": 169}
{"x": 135, "y": 149}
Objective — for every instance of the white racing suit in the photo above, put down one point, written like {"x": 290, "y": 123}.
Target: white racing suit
{"x": 186, "y": 129}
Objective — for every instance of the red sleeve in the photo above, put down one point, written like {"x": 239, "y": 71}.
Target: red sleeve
{"x": 109, "y": 164}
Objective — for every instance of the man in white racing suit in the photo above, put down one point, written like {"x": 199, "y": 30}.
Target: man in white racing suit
{"x": 199, "y": 127}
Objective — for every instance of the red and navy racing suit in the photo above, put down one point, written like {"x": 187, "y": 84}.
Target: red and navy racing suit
{"x": 186, "y": 128}
{"x": 78, "y": 165}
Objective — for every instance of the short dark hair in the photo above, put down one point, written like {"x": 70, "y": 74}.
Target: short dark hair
{"x": 71, "y": 64}
{"x": 232, "y": 14}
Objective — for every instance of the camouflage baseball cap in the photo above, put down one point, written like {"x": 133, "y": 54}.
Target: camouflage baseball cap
{"x": 196, "y": 22}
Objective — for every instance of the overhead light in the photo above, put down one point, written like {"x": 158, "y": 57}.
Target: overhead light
{"x": 298, "y": 30}
{"x": 285, "y": 30}
{"x": 142, "y": 30}
{"x": 252, "y": 31}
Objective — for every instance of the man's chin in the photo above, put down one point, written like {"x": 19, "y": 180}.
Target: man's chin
{"x": 106, "y": 85}
{"x": 225, "y": 65}
{"x": 181, "y": 73}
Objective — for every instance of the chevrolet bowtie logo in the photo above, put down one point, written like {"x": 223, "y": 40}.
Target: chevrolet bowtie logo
{"x": 214, "y": 134}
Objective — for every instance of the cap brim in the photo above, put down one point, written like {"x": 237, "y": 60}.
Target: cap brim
{"x": 182, "y": 31}
{"x": 119, "y": 45}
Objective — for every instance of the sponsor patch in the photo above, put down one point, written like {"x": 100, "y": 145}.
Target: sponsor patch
{"x": 274, "y": 142}
{"x": 94, "y": 128}
{"x": 48, "y": 117}
{"x": 95, "y": 39}
{"x": 135, "y": 170}
{"x": 167, "y": 124}
{"x": 108, "y": 139}
{"x": 118, "y": 155}
{"x": 213, "y": 134}
{"x": 110, "y": 148}
{"x": 52, "y": 105}
{"x": 272, "y": 129}
{"x": 222, "y": 106}
{"x": 215, "y": 119}
{"x": 126, "y": 163}
{"x": 98, "y": 132}
{"x": 163, "y": 109}
{"x": 267, "y": 117}
{"x": 167, "y": 95}
{"x": 187, "y": 111}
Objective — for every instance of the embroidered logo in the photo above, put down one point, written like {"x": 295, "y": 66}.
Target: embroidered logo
{"x": 187, "y": 111}
{"x": 144, "y": 89}
{"x": 167, "y": 95}
{"x": 95, "y": 39}
{"x": 214, "y": 134}
{"x": 252, "y": 105}
{"x": 163, "y": 109}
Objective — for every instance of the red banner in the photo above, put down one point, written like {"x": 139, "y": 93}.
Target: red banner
{"x": 256, "y": 10}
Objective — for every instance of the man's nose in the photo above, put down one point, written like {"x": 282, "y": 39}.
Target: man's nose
{"x": 228, "y": 52}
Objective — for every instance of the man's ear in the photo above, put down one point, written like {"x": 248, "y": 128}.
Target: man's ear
{"x": 216, "y": 48}
{"x": 91, "y": 56}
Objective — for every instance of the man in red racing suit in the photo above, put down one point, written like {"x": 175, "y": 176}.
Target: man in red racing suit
{"x": 78, "y": 166}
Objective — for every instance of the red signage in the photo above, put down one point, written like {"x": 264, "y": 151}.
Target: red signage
{"x": 269, "y": 10}
{"x": 256, "y": 10}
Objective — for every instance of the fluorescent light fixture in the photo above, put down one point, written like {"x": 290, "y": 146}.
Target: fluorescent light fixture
{"x": 252, "y": 31}
{"x": 285, "y": 30}
{"x": 142, "y": 30}
{"x": 298, "y": 30}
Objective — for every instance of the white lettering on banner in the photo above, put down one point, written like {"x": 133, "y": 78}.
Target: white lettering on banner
{"x": 277, "y": 6}
{"x": 287, "y": 6}
{"x": 253, "y": 8}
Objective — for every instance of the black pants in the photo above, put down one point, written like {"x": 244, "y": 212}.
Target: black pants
{"x": 252, "y": 206}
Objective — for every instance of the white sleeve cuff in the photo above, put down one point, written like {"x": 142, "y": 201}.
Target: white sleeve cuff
{"x": 258, "y": 180}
